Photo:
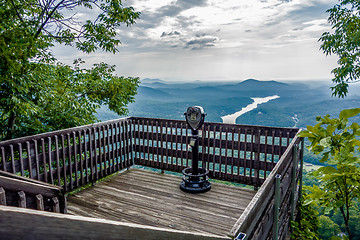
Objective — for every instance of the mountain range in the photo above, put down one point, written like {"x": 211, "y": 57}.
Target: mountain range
{"x": 161, "y": 99}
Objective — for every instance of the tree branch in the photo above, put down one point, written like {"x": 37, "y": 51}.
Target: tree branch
{"x": 46, "y": 5}
{"x": 47, "y": 19}
{"x": 17, "y": 13}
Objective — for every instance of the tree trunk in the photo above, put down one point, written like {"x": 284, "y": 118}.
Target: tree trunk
{"x": 346, "y": 219}
{"x": 10, "y": 126}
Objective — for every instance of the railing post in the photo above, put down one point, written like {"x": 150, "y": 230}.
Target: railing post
{"x": 132, "y": 140}
{"x": 257, "y": 160}
{"x": 293, "y": 182}
{"x": 301, "y": 168}
{"x": 275, "y": 229}
{"x": 2, "y": 196}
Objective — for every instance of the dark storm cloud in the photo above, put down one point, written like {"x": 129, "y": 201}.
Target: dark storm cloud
{"x": 173, "y": 33}
{"x": 200, "y": 43}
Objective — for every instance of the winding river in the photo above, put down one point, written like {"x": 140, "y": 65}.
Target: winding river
{"x": 231, "y": 118}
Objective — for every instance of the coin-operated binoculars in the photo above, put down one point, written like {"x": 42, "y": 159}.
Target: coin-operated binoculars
{"x": 195, "y": 179}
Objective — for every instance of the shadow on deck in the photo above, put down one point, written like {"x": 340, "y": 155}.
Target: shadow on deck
{"x": 154, "y": 199}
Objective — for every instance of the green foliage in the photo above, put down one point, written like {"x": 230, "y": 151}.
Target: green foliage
{"x": 327, "y": 228}
{"x": 308, "y": 179}
{"x": 39, "y": 94}
{"x": 306, "y": 223}
{"x": 344, "y": 42}
{"x": 310, "y": 157}
{"x": 354, "y": 220}
{"x": 339, "y": 182}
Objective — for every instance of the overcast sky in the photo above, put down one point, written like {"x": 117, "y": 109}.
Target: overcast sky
{"x": 221, "y": 40}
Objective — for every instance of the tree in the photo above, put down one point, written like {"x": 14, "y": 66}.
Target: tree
{"x": 328, "y": 228}
{"x": 335, "y": 139}
{"x": 338, "y": 142}
{"x": 344, "y": 42}
{"x": 354, "y": 220}
{"x": 38, "y": 93}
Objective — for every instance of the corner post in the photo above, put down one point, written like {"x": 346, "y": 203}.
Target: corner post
{"x": 257, "y": 161}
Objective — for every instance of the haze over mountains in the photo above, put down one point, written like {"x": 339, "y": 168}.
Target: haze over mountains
{"x": 160, "y": 99}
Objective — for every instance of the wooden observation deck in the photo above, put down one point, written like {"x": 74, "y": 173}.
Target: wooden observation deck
{"x": 155, "y": 199}
{"x": 39, "y": 172}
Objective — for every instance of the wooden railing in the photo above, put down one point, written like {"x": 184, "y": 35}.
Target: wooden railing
{"x": 231, "y": 152}
{"x": 23, "y": 192}
{"x": 269, "y": 213}
{"x": 73, "y": 157}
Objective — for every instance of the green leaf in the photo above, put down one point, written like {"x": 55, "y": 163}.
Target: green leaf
{"x": 306, "y": 133}
{"x": 325, "y": 142}
{"x": 328, "y": 209}
{"x": 317, "y": 149}
{"x": 347, "y": 113}
{"x": 355, "y": 142}
{"x": 308, "y": 201}
{"x": 336, "y": 238}
{"x": 325, "y": 157}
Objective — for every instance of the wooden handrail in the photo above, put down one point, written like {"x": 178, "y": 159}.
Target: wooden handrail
{"x": 62, "y": 131}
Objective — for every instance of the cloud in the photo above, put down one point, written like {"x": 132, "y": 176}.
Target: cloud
{"x": 201, "y": 41}
{"x": 186, "y": 21}
{"x": 179, "y": 6}
{"x": 258, "y": 38}
{"x": 172, "y": 33}
{"x": 171, "y": 10}
{"x": 159, "y": 18}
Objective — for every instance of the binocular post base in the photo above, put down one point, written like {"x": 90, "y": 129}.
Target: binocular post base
{"x": 195, "y": 183}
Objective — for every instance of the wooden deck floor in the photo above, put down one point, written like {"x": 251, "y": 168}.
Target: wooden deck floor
{"x": 154, "y": 199}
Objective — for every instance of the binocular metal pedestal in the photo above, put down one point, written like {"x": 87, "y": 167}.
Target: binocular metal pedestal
{"x": 195, "y": 179}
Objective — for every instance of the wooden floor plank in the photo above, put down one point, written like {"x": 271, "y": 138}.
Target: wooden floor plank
{"x": 166, "y": 193}
{"x": 154, "y": 199}
{"x": 219, "y": 192}
{"x": 152, "y": 208}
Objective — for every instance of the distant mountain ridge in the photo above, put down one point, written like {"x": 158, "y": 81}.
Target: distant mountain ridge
{"x": 152, "y": 80}
{"x": 149, "y": 92}
{"x": 256, "y": 85}
{"x": 157, "y": 98}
